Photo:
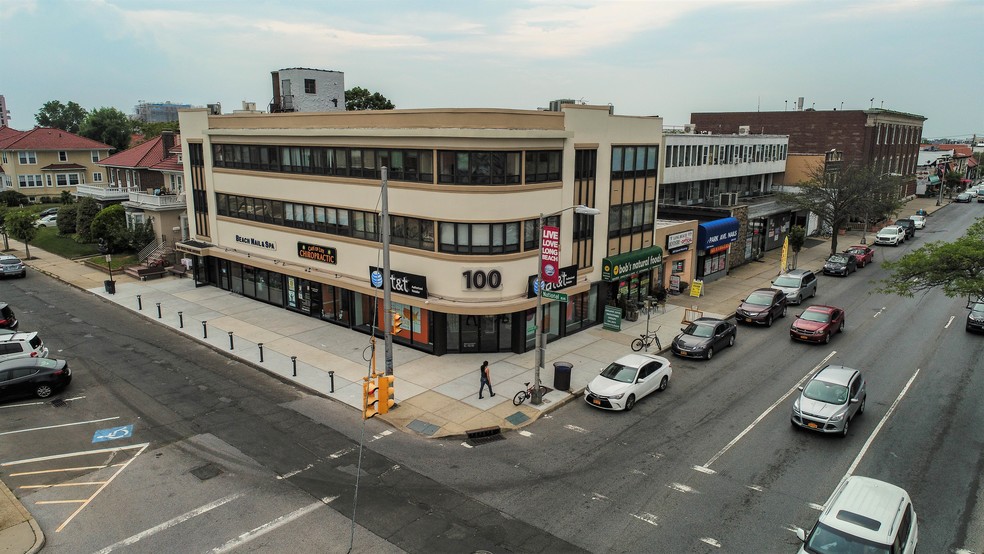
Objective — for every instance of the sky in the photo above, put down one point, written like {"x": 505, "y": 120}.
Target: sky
{"x": 645, "y": 57}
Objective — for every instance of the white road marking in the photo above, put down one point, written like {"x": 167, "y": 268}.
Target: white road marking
{"x": 769, "y": 409}
{"x": 791, "y": 528}
{"x": 647, "y": 517}
{"x": 816, "y": 507}
{"x": 711, "y": 542}
{"x": 880, "y": 311}
{"x": 85, "y": 468}
{"x": 525, "y": 433}
{"x": 385, "y": 433}
{"x": 57, "y": 426}
{"x": 85, "y": 484}
{"x": 290, "y": 474}
{"x": 947, "y": 326}
{"x": 170, "y": 523}
{"x": 38, "y": 403}
{"x": 269, "y": 526}
{"x": 73, "y": 454}
{"x": 466, "y": 445}
{"x": 706, "y": 470}
{"x": 575, "y": 428}
{"x": 102, "y": 488}
{"x": 598, "y": 496}
{"x": 963, "y": 551}
{"x": 681, "y": 487}
{"x": 340, "y": 453}
{"x": 871, "y": 438}
{"x": 637, "y": 472}
{"x": 756, "y": 488}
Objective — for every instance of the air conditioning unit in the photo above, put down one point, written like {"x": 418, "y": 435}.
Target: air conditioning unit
{"x": 689, "y": 128}
{"x": 744, "y": 129}
{"x": 728, "y": 199}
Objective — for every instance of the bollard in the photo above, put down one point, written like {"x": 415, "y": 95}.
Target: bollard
{"x": 331, "y": 378}
{"x": 293, "y": 362}
{"x": 204, "y": 329}
{"x": 230, "y": 340}
{"x": 181, "y": 321}
{"x": 158, "y": 310}
{"x": 139, "y": 303}
{"x": 260, "y": 344}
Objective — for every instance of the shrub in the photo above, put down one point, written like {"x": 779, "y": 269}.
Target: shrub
{"x": 109, "y": 227}
{"x": 66, "y": 219}
{"x": 12, "y": 198}
{"x": 83, "y": 222}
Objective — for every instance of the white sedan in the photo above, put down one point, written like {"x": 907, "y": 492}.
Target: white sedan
{"x": 919, "y": 221}
{"x": 627, "y": 380}
{"x": 47, "y": 221}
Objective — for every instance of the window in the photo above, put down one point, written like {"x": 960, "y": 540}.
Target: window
{"x": 97, "y": 177}
{"x": 62, "y": 156}
{"x": 4, "y": 156}
{"x": 27, "y": 157}
{"x": 309, "y": 87}
{"x": 27, "y": 181}
{"x": 95, "y": 155}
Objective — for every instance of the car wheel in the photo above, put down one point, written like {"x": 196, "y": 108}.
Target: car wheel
{"x": 784, "y": 308}
{"x": 847, "y": 423}
{"x": 43, "y": 391}
{"x": 768, "y": 321}
{"x": 814, "y": 293}
{"x": 826, "y": 339}
{"x": 731, "y": 341}
{"x": 841, "y": 328}
{"x": 664, "y": 383}
{"x": 710, "y": 352}
{"x": 861, "y": 407}
{"x": 629, "y": 403}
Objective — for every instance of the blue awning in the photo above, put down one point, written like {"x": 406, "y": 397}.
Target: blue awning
{"x": 717, "y": 232}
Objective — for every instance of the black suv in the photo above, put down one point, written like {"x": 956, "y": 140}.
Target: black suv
{"x": 7, "y": 318}
{"x": 909, "y": 226}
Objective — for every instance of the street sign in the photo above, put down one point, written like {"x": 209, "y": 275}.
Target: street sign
{"x": 558, "y": 296}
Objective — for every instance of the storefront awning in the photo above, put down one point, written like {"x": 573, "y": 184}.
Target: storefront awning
{"x": 196, "y": 247}
{"x": 717, "y": 232}
{"x": 614, "y": 268}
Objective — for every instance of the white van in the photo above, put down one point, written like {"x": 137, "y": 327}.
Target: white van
{"x": 864, "y": 515}
{"x": 22, "y": 345}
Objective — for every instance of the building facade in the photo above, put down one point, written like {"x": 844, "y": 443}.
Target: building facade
{"x": 43, "y": 162}
{"x": 299, "y": 89}
{"x": 284, "y": 208}
{"x": 158, "y": 112}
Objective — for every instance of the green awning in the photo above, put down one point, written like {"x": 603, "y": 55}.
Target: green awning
{"x": 933, "y": 179}
{"x": 615, "y": 267}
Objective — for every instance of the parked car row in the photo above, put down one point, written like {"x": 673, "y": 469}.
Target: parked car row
{"x": 25, "y": 368}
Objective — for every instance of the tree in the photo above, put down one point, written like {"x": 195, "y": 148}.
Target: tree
{"x": 151, "y": 130}
{"x": 12, "y": 198}
{"x": 797, "y": 238}
{"x": 60, "y": 116}
{"x": 83, "y": 221}
{"x": 852, "y": 192}
{"x": 953, "y": 180}
{"x": 110, "y": 126}
{"x": 19, "y": 223}
{"x": 957, "y": 268}
{"x": 359, "y": 98}
{"x": 109, "y": 227}
{"x": 67, "y": 216}
{"x": 66, "y": 197}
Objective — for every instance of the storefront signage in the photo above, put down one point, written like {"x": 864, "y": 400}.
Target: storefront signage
{"x": 613, "y": 318}
{"x": 697, "y": 288}
{"x": 550, "y": 254}
{"x": 717, "y": 232}
{"x": 675, "y": 283}
{"x": 679, "y": 242}
{"x": 719, "y": 249}
{"x": 566, "y": 277}
{"x": 269, "y": 245}
{"x": 558, "y": 296}
{"x": 317, "y": 253}
{"x": 403, "y": 283}
{"x": 482, "y": 279}
{"x": 617, "y": 267}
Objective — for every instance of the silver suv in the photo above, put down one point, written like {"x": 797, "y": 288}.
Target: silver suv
{"x": 11, "y": 266}
{"x": 798, "y": 284}
{"x": 830, "y": 400}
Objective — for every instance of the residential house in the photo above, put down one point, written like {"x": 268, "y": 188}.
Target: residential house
{"x": 44, "y": 162}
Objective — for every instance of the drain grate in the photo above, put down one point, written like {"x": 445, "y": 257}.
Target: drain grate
{"x": 484, "y": 435}
{"x": 58, "y": 403}
{"x": 207, "y": 471}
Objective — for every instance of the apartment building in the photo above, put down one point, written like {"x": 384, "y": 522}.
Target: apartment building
{"x": 43, "y": 162}
{"x": 285, "y": 208}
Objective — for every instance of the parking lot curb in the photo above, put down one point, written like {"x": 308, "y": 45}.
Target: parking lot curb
{"x": 18, "y": 533}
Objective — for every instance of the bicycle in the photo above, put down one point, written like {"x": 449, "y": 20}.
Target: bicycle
{"x": 522, "y": 395}
{"x": 645, "y": 340}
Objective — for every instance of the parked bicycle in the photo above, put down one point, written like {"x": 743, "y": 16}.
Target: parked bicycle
{"x": 522, "y": 395}
{"x": 645, "y": 340}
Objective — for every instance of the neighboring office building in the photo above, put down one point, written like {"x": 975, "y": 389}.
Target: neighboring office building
{"x": 158, "y": 112}
{"x": 44, "y": 162}
{"x": 284, "y": 209}
{"x": 298, "y": 89}
{"x": 726, "y": 182}
{"x": 4, "y": 113}
{"x": 887, "y": 139}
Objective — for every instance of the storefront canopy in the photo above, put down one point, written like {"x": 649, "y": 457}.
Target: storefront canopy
{"x": 617, "y": 267}
{"x": 717, "y": 232}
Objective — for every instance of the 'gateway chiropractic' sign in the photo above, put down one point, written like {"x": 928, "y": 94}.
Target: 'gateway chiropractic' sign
{"x": 317, "y": 253}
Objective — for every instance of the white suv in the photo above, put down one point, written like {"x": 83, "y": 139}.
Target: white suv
{"x": 892, "y": 234}
{"x": 22, "y": 345}
{"x": 864, "y": 515}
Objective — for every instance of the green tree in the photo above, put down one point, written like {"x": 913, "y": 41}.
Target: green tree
{"x": 851, "y": 192}
{"x": 61, "y": 116}
{"x": 12, "y": 198}
{"x": 67, "y": 216}
{"x": 359, "y": 98}
{"x": 110, "y": 126}
{"x": 956, "y": 268}
{"x": 83, "y": 220}
{"x": 140, "y": 235}
{"x": 151, "y": 130}
{"x": 953, "y": 181}
{"x": 797, "y": 238}
{"x": 66, "y": 197}
{"x": 109, "y": 226}
{"x": 19, "y": 223}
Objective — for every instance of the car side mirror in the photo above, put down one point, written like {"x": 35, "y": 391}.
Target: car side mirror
{"x": 641, "y": 380}
{"x": 801, "y": 534}
{"x": 684, "y": 329}
{"x": 800, "y": 388}
{"x": 799, "y": 314}
{"x": 854, "y": 401}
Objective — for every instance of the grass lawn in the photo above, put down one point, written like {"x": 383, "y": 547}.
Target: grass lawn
{"x": 65, "y": 246}
{"x": 119, "y": 261}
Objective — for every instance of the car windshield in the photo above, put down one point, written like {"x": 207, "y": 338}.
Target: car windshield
{"x": 819, "y": 317}
{"x": 823, "y": 391}
{"x": 701, "y": 330}
{"x": 620, "y": 373}
{"x": 978, "y": 308}
{"x": 859, "y": 251}
{"x": 786, "y": 281}
{"x": 837, "y": 259}
{"x": 9, "y": 262}
{"x": 826, "y": 540}
{"x": 759, "y": 299}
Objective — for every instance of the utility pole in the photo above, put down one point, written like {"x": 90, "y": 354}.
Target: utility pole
{"x": 387, "y": 302}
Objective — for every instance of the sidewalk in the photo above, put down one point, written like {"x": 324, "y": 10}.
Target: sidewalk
{"x": 437, "y": 396}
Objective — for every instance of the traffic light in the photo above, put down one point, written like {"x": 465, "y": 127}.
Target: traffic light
{"x": 370, "y": 397}
{"x": 397, "y": 322}
{"x": 387, "y": 395}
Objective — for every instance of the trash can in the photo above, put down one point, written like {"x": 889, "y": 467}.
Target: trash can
{"x": 562, "y": 375}
{"x": 110, "y": 286}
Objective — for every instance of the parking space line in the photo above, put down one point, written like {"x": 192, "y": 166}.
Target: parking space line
{"x": 60, "y": 501}
{"x": 39, "y": 472}
{"x": 57, "y": 426}
{"x": 38, "y": 403}
{"x": 74, "y": 454}
{"x": 170, "y": 523}
{"x": 267, "y": 527}
{"x": 947, "y": 326}
{"x": 768, "y": 410}
{"x": 88, "y": 483}
{"x": 102, "y": 488}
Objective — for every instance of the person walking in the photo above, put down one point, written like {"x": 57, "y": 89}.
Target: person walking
{"x": 486, "y": 380}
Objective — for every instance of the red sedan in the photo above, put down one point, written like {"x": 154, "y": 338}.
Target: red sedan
{"x": 817, "y": 324}
{"x": 864, "y": 255}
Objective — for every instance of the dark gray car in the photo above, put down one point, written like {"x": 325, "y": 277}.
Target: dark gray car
{"x": 704, "y": 336}
{"x": 830, "y": 400}
{"x": 798, "y": 284}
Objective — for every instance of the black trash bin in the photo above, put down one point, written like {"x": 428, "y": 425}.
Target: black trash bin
{"x": 110, "y": 286}
{"x": 562, "y": 375}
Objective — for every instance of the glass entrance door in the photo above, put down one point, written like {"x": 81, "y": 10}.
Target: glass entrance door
{"x": 488, "y": 334}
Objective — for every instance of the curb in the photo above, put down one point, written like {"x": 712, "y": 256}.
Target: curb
{"x": 39, "y": 539}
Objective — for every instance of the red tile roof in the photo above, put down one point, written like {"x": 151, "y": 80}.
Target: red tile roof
{"x": 45, "y": 138}
{"x": 7, "y": 134}
{"x": 147, "y": 155}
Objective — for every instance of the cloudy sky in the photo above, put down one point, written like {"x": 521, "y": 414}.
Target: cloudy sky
{"x": 645, "y": 57}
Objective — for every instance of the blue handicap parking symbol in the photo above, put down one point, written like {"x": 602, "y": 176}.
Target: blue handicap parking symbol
{"x": 113, "y": 433}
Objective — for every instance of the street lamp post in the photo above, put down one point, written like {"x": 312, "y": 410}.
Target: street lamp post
{"x": 538, "y": 282}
